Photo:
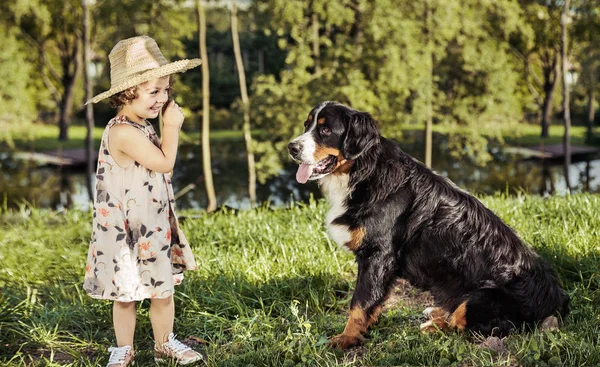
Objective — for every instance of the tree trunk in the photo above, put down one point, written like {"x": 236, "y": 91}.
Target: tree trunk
{"x": 66, "y": 103}
{"x": 550, "y": 82}
{"x": 245, "y": 103}
{"x": 261, "y": 61}
{"x": 591, "y": 88}
{"x": 89, "y": 111}
{"x": 429, "y": 56}
{"x": 591, "y": 112}
{"x": 206, "y": 161}
{"x": 566, "y": 107}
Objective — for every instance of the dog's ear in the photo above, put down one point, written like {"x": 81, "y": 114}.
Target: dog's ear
{"x": 361, "y": 135}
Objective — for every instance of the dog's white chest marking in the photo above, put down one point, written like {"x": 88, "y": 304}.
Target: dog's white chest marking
{"x": 335, "y": 188}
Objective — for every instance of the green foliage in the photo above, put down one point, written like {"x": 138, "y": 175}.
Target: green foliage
{"x": 489, "y": 59}
{"x": 16, "y": 90}
{"x": 372, "y": 56}
{"x": 271, "y": 294}
{"x": 585, "y": 44}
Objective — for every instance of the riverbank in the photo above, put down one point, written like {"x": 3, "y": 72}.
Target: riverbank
{"x": 43, "y": 137}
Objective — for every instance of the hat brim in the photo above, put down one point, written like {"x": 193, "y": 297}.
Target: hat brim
{"x": 162, "y": 71}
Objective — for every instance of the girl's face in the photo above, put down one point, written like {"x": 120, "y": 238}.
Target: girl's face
{"x": 152, "y": 95}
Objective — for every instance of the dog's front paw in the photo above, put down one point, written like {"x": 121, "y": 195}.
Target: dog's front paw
{"x": 343, "y": 341}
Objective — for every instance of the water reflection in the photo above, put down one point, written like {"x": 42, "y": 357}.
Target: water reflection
{"x": 22, "y": 181}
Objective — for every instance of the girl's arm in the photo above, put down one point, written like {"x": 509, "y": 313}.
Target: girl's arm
{"x": 134, "y": 144}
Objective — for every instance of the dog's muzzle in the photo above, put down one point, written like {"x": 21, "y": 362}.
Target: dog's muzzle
{"x": 295, "y": 148}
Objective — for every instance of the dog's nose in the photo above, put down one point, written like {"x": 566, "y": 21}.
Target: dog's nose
{"x": 294, "y": 149}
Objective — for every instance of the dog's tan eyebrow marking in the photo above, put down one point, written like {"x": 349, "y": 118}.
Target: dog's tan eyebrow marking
{"x": 310, "y": 117}
{"x": 321, "y": 121}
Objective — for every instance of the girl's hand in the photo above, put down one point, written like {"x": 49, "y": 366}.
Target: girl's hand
{"x": 172, "y": 115}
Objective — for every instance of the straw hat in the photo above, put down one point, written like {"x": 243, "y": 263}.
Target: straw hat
{"x": 137, "y": 60}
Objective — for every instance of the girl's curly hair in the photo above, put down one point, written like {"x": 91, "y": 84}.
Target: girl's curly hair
{"x": 128, "y": 95}
{"x": 124, "y": 97}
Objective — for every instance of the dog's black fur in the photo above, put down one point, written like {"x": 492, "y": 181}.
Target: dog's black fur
{"x": 417, "y": 225}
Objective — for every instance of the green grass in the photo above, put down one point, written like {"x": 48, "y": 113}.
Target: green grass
{"x": 271, "y": 287}
{"x": 42, "y": 137}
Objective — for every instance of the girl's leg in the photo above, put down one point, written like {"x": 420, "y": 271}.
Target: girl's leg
{"x": 124, "y": 322}
{"x": 162, "y": 314}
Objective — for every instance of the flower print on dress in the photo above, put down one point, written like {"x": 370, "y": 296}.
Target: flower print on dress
{"x": 137, "y": 247}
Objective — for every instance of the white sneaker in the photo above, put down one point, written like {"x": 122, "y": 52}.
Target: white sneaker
{"x": 176, "y": 351}
{"x": 120, "y": 356}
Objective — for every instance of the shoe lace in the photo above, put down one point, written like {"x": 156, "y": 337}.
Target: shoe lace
{"x": 118, "y": 354}
{"x": 175, "y": 345}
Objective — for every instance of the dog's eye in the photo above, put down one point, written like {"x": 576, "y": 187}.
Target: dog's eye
{"x": 306, "y": 123}
{"x": 325, "y": 130}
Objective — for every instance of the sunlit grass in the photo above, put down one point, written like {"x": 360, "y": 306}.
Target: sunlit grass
{"x": 271, "y": 287}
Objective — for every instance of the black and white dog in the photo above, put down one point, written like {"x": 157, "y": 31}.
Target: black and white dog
{"x": 401, "y": 220}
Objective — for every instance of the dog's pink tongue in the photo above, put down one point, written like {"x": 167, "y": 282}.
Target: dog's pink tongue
{"x": 304, "y": 172}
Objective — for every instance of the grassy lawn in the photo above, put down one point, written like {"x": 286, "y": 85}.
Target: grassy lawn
{"x": 271, "y": 287}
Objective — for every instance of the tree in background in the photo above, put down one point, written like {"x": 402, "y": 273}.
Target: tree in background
{"x": 53, "y": 30}
{"x": 564, "y": 56}
{"x": 429, "y": 84}
{"x": 245, "y": 103}
{"x": 371, "y": 56}
{"x": 89, "y": 109}
{"x": 206, "y": 162}
{"x": 586, "y": 46}
{"x": 17, "y": 94}
{"x": 542, "y": 56}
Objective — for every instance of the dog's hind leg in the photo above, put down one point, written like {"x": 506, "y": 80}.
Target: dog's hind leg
{"x": 438, "y": 320}
{"x": 484, "y": 311}
{"x": 441, "y": 320}
{"x": 489, "y": 312}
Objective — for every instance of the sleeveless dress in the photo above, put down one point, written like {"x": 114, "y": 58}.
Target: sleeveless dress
{"x": 137, "y": 249}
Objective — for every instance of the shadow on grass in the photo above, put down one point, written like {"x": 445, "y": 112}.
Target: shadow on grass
{"x": 282, "y": 321}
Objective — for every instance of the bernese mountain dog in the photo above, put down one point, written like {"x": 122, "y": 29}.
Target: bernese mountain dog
{"x": 403, "y": 221}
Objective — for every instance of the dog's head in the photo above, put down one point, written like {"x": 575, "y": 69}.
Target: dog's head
{"x": 334, "y": 136}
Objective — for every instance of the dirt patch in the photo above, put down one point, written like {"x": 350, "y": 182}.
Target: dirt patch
{"x": 58, "y": 357}
{"x": 33, "y": 356}
{"x": 407, "y": 295}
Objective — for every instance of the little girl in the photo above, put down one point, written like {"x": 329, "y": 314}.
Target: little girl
{"x": 137, "y": 249}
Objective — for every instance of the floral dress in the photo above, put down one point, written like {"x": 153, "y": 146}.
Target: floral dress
{"x": 137, "y": 249}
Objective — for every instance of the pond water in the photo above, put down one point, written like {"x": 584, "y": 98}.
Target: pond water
{"x": 51, "y": 187}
